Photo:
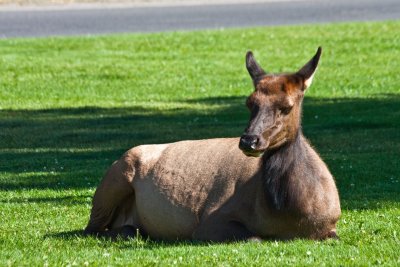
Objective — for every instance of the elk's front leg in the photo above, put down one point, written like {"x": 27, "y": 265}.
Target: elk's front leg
{"x": 223, "y": 230}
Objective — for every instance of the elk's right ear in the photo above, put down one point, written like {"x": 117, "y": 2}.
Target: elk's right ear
{"x": 252, "y": 66}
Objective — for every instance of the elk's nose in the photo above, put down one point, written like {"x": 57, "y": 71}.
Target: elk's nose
{"x": 248, "y": 142}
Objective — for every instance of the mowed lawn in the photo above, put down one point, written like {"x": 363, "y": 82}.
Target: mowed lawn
{"x": 71, "y": 106}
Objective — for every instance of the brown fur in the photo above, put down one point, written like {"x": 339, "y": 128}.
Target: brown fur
{"x": 275, "y": 186}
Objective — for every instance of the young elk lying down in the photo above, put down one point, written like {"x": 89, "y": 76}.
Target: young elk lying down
{"x": 269, "y": 183}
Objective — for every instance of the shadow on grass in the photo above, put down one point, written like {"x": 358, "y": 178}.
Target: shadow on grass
{"x": 128, "y": 243}
{"x": 147, "y": 243}
{"x": 71, "y": 148}
{"x": 67, "y": 235}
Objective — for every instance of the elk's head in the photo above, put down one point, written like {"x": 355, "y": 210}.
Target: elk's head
{"x": 275, "y": 106}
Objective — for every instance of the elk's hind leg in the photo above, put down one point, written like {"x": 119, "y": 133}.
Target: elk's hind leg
{"x": 113, "y": 211}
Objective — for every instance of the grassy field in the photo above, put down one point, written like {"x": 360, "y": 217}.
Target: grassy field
{"x": 71, "y": 106}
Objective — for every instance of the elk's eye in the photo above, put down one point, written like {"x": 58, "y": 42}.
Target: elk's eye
{"x": 286, "y": 110}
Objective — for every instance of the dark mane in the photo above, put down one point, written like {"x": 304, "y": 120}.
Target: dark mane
{"x": 279, "y": 165}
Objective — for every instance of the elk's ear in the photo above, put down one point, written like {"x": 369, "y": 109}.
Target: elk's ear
{"x": 307, "y": 71}
{"x": 252, "y": 66}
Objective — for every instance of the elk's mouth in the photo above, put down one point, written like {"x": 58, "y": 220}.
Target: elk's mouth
{"x": 253, "y": 153}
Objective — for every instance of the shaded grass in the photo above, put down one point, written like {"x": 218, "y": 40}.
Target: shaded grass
{"x": 71, "y": 106}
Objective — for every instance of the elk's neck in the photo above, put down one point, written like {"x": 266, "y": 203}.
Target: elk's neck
{"x": 279, "y": 164}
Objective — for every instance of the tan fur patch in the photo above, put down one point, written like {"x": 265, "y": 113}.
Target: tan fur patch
{"x": 151, "y": 152}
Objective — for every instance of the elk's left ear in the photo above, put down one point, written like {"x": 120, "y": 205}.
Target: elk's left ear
{"x": 253, "y": 67}
{"x": 307, "y": 71}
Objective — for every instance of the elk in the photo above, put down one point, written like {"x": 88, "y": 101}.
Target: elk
{"x": 267, "y": 184}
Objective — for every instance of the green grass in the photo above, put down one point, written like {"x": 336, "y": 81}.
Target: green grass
{"x": 70, "y": 106}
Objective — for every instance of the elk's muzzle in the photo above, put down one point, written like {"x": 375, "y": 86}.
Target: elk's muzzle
{"x": 248, "y": 144}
